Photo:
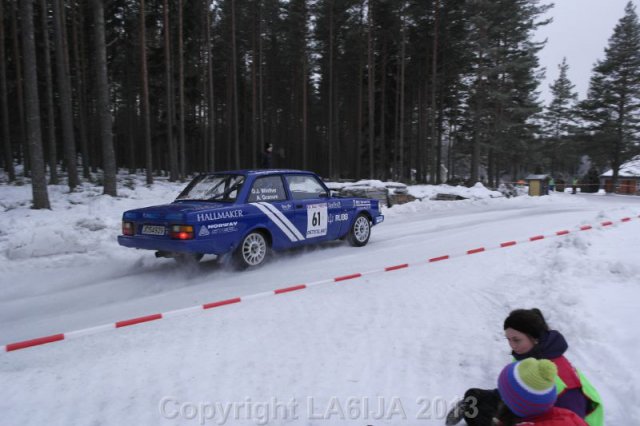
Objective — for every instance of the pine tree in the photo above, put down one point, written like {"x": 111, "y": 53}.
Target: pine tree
{"x": 560, "y": 121}
{"x": 502, "y": 96}
{"x": 32, "y": 104}
{"x": 102, "y": 89}
{"x": 4, "y": 108}
{"x": 65, "y": 95}
{"x": 613, "y": 101}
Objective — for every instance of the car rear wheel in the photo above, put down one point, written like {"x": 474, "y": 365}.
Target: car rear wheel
{"x": 253, "y": 250}
{"x": 360, "y": 231}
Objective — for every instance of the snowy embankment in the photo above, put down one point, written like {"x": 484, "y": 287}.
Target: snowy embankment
{"x": 387, "y": 348}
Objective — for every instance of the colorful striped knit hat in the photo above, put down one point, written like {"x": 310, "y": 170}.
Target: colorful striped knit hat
{"x": 528, "y": 387}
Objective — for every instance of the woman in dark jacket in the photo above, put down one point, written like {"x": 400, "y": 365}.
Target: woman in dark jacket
{"x": 530, "y": 337}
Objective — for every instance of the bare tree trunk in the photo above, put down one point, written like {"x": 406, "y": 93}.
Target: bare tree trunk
{"x": 234, "y": 71}
{"x": 371, "y": 87}
{"x": 64, "y": 89}
{"x": 360, "y": 107}
{"x": 173, "y": 161}
{"x": 102, "y": 89}
{"x": 34, "y": 136}
{"x": 4, "y": 106}
{"x": 181, "y": 118}
{"x": 331, "y": 84}
{"x": 254, "y": 89}
{"x": 260, "y": 78}
{"x": 305, "y": 111}
{"x": 23, "y": 146}
{"x": 81, "y": 94}
{"x": 228, "y": 117}
{"x": 401, "y": 166}
{"x": 132, "y": 131}
{"x": 383, "y": 103}
{"x": 51, "y": 119}
{"x": 145, "y": 96}
{"x": 434, "y": 81}
{"x": 212, "y": 106}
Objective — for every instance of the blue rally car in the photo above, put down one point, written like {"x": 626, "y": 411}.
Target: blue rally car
{"x": 246, "y": 214}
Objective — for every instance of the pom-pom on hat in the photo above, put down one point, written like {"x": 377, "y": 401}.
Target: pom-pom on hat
{"x": 528, "y": 387}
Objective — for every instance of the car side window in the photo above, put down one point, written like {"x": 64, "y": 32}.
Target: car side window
{"x": 267, "y": 188}
{"x": 303, "y": 187}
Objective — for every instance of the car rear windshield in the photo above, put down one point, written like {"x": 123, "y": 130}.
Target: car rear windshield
{"x": 222, "y": 188}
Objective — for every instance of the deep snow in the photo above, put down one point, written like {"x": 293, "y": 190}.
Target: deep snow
{"x": 405, "y": 344}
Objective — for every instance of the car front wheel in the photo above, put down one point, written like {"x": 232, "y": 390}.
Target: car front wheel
{"x": 360, "y": 231}
{"x": 253, "y": 250}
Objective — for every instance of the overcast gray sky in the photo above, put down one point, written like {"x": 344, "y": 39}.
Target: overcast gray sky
{"x": 580, "y": 31}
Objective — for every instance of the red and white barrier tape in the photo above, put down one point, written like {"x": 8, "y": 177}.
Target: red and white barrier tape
{"x": 199, "y": 308}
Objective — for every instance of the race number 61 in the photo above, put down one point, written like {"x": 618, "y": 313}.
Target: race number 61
{"x": 316, "y": 220}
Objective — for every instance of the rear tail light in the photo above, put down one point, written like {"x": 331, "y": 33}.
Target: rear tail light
{"x": 181, "y": 232}
{"x": 128, "y": 229}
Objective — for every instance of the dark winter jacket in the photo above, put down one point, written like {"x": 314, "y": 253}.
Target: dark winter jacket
{"x": 554, "y": 417}
{"x": 266, "y": 162}
{"x": 552, "y": 346}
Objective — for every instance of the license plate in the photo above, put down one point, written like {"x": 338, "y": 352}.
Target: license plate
{"x": 153, "y": 230}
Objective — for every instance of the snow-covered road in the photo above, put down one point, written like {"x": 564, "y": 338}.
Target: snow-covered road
{"x": 46, "y": 296}
{"x": 412, "y": 339}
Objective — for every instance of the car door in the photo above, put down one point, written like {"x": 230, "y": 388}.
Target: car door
{"x": 267, "y": 194}
{"x": 315, "y": 215}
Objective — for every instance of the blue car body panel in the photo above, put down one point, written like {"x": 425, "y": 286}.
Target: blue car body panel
{"x": 268, "y": 200}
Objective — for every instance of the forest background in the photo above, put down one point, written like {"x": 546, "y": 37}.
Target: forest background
{"x": 412, "y": 90}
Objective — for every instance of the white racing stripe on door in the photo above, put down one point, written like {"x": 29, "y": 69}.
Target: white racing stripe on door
{"x": 276, "y": 221}
{"x": 284, "y": 220}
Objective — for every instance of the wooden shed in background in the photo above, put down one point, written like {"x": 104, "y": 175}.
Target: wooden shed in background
{"x": 628, "y": 178}
{"x": 538, "y": 185}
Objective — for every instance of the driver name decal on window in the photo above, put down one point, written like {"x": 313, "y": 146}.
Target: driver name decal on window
{"x": 316, "y": 220}
{"x": 265, "y": 194}
{"x": 267, "y": 189}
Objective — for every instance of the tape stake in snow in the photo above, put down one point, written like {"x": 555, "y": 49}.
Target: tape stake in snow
{"x": 221, "y": 303}
{"x": 138, "y": 320}
{"x": 289, "y": 289}
{"x": 438, "y": 259}
{"x": 34, "y": 342}
{"x": 536, "y": 238}
{"x": 347, "y": 277}
{"x": 586, "y": 228}
{"x": 395, "y": 268}
{"x": 607, "y": 223}
{"x": 474, "y": 251}
{"x": 562, "y": 232}
{"x": 508, "y": 244}
{"x": 625, "y": 219}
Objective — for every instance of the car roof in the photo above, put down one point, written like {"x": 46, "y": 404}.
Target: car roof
{"x": 257, "y": 172}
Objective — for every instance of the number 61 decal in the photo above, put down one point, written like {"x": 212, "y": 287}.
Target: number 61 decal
{"x": 316, "y": 220}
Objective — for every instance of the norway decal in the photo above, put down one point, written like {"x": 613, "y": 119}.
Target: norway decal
{"x": 316, "y": 220}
